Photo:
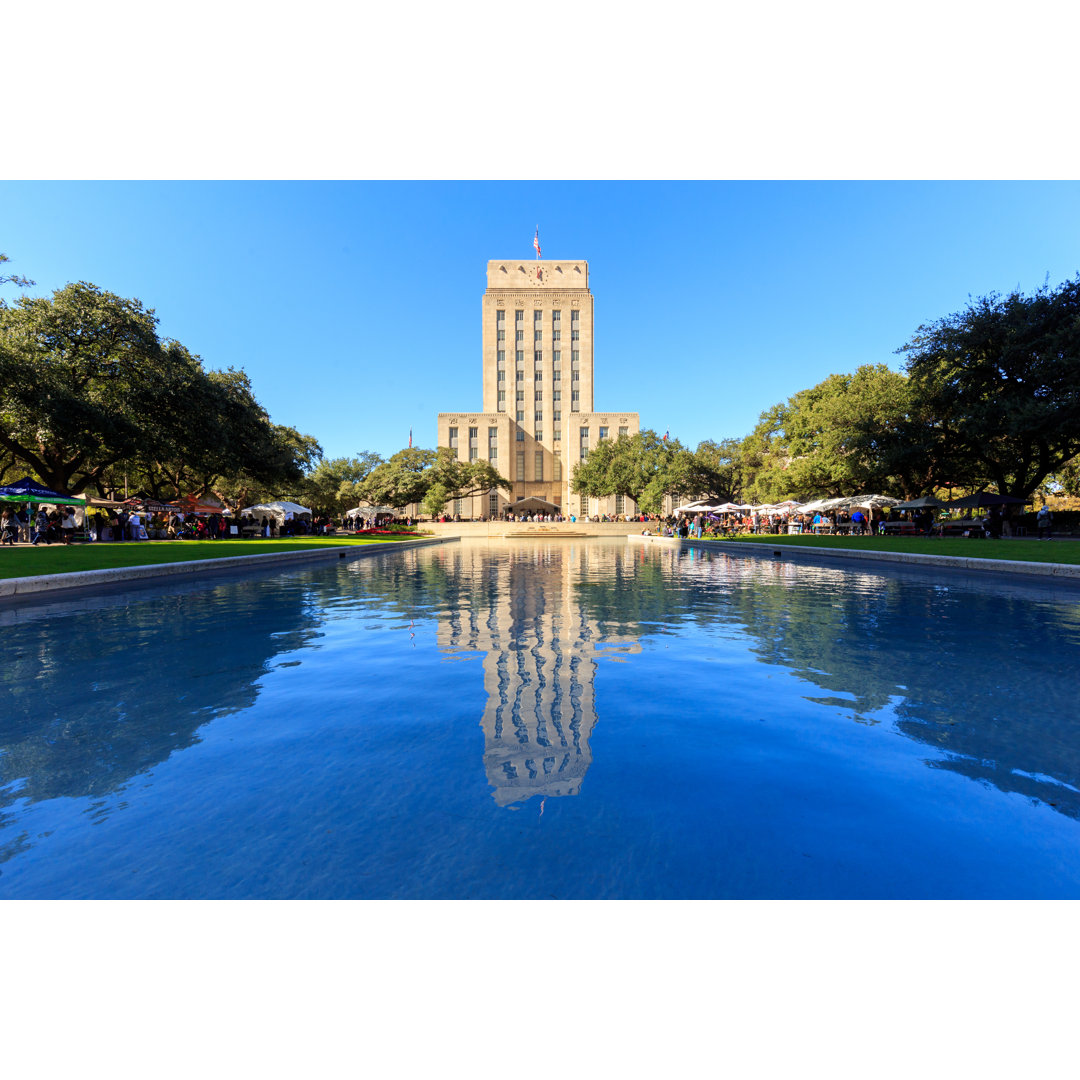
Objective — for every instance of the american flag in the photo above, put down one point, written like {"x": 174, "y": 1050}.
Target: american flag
{"x": 666, "y": 433}
{"x": 536, "y": 241}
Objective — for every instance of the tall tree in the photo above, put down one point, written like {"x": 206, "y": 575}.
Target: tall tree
{"x": 643, "y": 467}
{"x": 1003, "y": 377}
{"x": 404, "y": 479}
{"x": 79, "y": 373}
{"x": 464, "y": 479}
{"x": 333, "y": 485}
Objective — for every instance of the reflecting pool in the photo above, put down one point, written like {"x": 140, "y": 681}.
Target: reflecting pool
{"x": 536, "y": 719}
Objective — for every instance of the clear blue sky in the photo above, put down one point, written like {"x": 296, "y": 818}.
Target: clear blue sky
{"x": 355, "y": 307}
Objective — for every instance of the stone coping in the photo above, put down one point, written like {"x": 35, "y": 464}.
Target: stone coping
{"x": 11, "y": 588}
{"x": 955, "y": 562}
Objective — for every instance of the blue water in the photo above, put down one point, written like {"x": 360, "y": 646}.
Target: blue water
{"x": 545, "y": 719}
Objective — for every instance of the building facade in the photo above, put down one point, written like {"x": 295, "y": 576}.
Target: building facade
{"x": 538, "y": 416}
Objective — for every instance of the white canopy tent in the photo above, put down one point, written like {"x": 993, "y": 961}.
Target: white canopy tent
{"x": 281, "y": 509}
{"x": 372, "y": 511}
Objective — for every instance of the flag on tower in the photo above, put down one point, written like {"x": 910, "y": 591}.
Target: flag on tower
{"x": 536, "y": 241}
{"x": 666, "y": 433}
{"x": 410, "y": 438}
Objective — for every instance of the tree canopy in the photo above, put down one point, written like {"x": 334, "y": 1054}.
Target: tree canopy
{"x": 1003, "y": 379}
{"x": 89, "y": 392}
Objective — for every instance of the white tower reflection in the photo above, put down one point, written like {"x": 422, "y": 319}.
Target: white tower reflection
{"x": 540, "y": 663}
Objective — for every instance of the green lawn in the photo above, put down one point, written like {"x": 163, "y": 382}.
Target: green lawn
{"x": 1053, "y": 551}
{"x": 61, "y": 559}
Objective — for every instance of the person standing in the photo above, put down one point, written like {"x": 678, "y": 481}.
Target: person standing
{"x": 67, "y": 525}
{"x": 1044, "y": 519}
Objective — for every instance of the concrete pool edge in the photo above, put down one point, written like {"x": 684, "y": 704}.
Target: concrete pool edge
{"x": 13, "y": 588}
{"x": 1012, "y": 567}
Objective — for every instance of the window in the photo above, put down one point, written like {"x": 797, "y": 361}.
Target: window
{"x": 493, "y": 505}
{"x": 452, "y": 438}
{"x": 584, "y": 441}
{"x": 501, "y": 335}
{"x": 575, "y": 375}
{"x": 519, "y": 357}
{"x": 538, "y": 357}
{"x": 620, "y": 505}
{"x": 538, "y": 418}
{"x": 500, "y": 358}
{"x": 575, "y": 401}
{"x": 556, "y": 435}
{"x": 521, "y": 465}
{"x": 520, "y": 395}
{"x": 500, "y": 316}
{"x": 519, "y": 316}
{"x": 575, "y": 358}
{"x": 502, "y": 401}
{"x": 538, "y": 465}
{"x": 623, "y": 431}
{"x": 457, "y": 507}
{"x": 501, "y": 375}
{"x": 538, "y": 335}
{"x": 556, "y": 357}
{"x": 520, "y": 417}
{"x": 556, "y": 415}
{"x": 556, "y": 395}
{"x": 519, "y": 375}
{"x": 556, "y": 335}
{"x": 557, "y": 471}
{"x": 603, "y": 433}
{"x": 556, "y": 375}
{"x": 573, "y": 335}
{"x": 519, "y": 436}
{"x": 556, "y": 316}
{"x": 520, "y": 336}
{"x": 473, "y": 433}
{"x": 474, "y": 453}
{"x": 538, "y": 395}
{"x": 538, "y": 316}
{"x": 538, "y": 436}
{"x": 575, "y": 316}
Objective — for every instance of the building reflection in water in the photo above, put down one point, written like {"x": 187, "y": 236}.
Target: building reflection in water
{"x": 541, "y": 650}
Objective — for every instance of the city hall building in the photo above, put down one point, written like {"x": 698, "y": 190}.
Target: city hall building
{"x": 538, "y": 416}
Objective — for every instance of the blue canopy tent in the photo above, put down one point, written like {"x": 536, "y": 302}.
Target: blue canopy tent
{"x": 27, "y": 490}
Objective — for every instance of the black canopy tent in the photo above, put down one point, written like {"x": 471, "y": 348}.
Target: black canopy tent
{"x": 531, "y": 505}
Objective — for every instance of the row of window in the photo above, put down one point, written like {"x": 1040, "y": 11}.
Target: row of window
{"x": 538, "y": 357}
{"x": 538, "y": 418}
{"x": 538, "y": 316}
{"x": 538, "y": 466}
{"x": 538, "y": 335}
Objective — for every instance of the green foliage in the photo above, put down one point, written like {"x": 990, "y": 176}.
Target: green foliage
{"x": 642, "y": 467}
{"x": 463, "y": 479}
{"x": 91, "y": 397}
{"x": 333, "y": 485}
{"x": 434, "y": 502}
{"x": 404, "y": 479}
{"x": 12, "y": 279}
{"x": 1003, "y": 380}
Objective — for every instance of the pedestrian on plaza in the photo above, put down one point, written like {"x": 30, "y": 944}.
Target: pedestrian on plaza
{"x": 1044, "y": 519}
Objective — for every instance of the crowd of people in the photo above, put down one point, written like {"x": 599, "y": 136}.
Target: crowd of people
{"x": 65, "y": 524}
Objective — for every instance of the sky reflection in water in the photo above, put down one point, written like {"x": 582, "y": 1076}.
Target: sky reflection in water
{"x": 566, "y": 719}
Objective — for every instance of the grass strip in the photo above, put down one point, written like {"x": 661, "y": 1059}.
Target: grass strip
{"x": 73, "y": 558}
{"x": 1054, "y": 551}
